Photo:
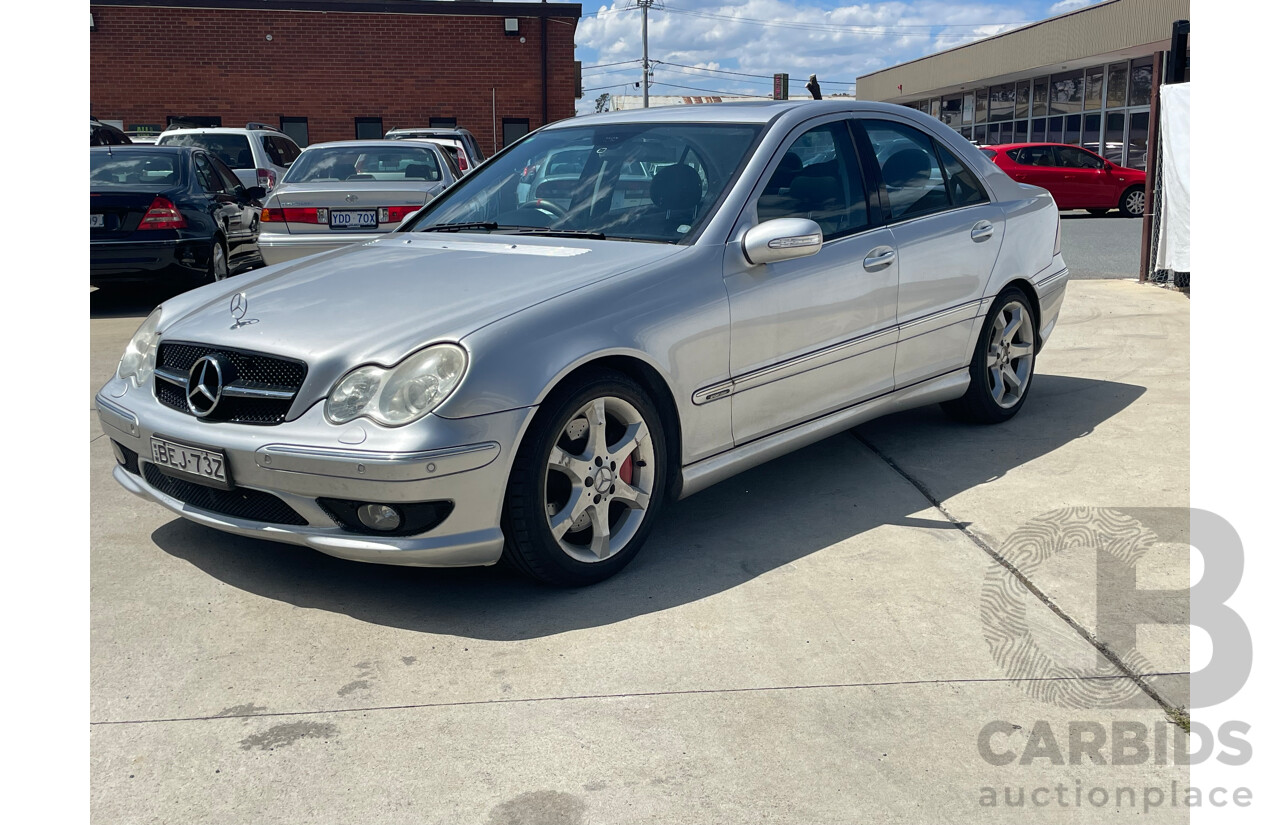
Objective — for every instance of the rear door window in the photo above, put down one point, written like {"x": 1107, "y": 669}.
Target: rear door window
{"x": 209, "y": 179}
{"x": 909, "y": 167}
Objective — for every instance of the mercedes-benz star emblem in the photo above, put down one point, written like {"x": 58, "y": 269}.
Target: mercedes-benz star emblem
{"x": 204, "y": 385}
{"x": 240, "y": 306}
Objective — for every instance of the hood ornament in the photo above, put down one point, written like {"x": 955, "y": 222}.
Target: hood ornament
{"x": 239, "y": 307}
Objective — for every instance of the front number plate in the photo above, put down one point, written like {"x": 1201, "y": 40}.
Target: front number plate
{"x": 353, "y": 218}
{"x": 208, "y": 465}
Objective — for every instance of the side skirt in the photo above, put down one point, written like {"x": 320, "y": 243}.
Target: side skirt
{"x": 702, "y": 474}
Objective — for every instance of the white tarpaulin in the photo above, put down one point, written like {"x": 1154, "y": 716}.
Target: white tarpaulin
{"x": 1173, "y": 250}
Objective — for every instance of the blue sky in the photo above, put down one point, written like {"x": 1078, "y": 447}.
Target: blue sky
{"x": 701, "y": 44}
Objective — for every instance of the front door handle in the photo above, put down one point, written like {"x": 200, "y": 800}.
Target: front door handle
{"x": 879, "y": 258}
{"x": 982, "y": 230}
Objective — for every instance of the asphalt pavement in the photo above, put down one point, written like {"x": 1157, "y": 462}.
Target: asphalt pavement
{"x": 1109, "y": 246}
{"x": 828, "y": 638}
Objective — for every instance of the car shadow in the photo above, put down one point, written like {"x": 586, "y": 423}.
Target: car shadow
{"x": 711, "y": 542}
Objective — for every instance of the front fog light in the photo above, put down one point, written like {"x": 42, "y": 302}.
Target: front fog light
{"x": 378, "y": 517}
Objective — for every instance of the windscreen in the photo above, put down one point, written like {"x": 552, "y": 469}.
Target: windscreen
{"x": 631, "y": 181}
{"x": 392, "y": 162}
{"x": 133, "y": 169}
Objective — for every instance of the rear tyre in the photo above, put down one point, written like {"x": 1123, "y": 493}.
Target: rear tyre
{"x": 1003, "y": 363}
{"x": 1133, "y": 202}
{"x": 218, "y": 268}
{"x": 587, "y": 484}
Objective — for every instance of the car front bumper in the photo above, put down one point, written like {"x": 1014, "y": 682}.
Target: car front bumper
{"x": 278, "y": 247}
{"x": 464, "y": 461}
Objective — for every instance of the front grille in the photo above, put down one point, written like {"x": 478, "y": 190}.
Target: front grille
{"x": 253, "y": 371}
{"x": 252, "y": 505}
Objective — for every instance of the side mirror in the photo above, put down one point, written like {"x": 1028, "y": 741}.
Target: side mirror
{"x": 781, "y": 239}
{"x": 255, "y": 193}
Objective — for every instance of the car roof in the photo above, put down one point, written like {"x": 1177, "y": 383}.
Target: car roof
{"x": 435, "y": 130}
{"x": 145, "y": 147}
{"x": 752, "y": 111}
{"x": 1025, "y": 145}
{"x": 371, "y": 143}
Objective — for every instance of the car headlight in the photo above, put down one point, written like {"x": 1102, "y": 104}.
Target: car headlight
{"x": 400, "y": 394}
{"x": 139, "y": 359}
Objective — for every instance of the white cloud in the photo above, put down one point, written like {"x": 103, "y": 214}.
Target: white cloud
{"x": 1064, "y": 6}
{"x": 837, "y": 44}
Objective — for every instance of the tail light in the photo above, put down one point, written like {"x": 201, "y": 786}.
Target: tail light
{"x": 307, "y": 214}
{"x": 395, "y": 214}
{"x": 267, "y": 179}
{"x": 162, "y": 214}
{"x": 462, "y": 161}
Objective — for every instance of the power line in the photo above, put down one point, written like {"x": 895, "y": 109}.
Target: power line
{"x": 900, "y": 30}
{"x": 762, "y": 78}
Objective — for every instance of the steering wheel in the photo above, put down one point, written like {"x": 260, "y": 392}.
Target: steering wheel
{"x": 547, "y": 207}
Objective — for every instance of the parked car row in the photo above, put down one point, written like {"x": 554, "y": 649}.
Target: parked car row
{"x": 242, "y": 198}
{"x": 525, "y": 378}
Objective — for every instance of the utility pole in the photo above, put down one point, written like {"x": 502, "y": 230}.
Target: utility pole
{"x": 644, "y": 36}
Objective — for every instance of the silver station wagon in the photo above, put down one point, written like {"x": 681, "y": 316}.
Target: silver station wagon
{"x": 517, "y": 376}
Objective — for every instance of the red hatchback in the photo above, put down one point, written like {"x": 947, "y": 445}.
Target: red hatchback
{"x": 1077, "y": 178}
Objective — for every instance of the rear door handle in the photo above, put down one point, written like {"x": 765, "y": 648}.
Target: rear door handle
{"x": 879, "y": 258}
{"x": 982, "y": 230}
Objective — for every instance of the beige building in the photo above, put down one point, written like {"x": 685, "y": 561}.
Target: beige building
{"x": 1084, "y": 77}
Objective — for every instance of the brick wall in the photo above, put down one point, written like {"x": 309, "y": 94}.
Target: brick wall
{"x": 147, "y": 63}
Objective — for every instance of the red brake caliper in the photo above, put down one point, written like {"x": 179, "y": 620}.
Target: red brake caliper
{"x": 624, "y": 472}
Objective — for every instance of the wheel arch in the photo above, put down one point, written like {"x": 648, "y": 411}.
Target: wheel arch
{"x": 1033, "y": 296}
{"x": 651, "y": 379}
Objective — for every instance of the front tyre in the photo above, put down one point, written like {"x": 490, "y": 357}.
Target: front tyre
{"x": 1003, "y": 363}
{"x": 587, "y": 483}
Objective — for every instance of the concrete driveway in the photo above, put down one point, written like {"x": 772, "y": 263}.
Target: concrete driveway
{"x": 825, "y": 639}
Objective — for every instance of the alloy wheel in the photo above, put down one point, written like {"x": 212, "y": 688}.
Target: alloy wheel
{"x": 1010, "y": 354}
{"x": 600, "y": 478}
{"x": 1135, "y": 202}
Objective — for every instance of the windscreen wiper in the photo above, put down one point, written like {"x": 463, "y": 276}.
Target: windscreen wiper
{"x": 459, "y": 227}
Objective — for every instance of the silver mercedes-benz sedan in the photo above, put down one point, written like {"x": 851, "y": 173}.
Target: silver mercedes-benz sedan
{"x": 350, "y": 191}
{"x": 527, "y": 378}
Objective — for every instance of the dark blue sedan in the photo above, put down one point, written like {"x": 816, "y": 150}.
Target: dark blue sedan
{"x": 175, "y": 215}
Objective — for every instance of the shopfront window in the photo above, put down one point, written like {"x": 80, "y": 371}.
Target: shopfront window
{"x": 1117, "y": 84}
{"x": 1071, "y": 130}
{"x": 1037, "y": 130}
{"x": 1113, "y": 138}
{"x": 1089, "y": 137}
{"x": 980, "y": 107}
{"x": 1137, "y": 155}
{"x": 1022, "y": 103}
{"x": 1066, "y": 93}
{"x": 952, "y": 108}
{"x": 1040, "y": 98}
{"x": 1140, "y": 83}
{"x": 1055, "y": 129}
{"x": 1001, "y": 103}
{"x": 1093, "y": 89}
